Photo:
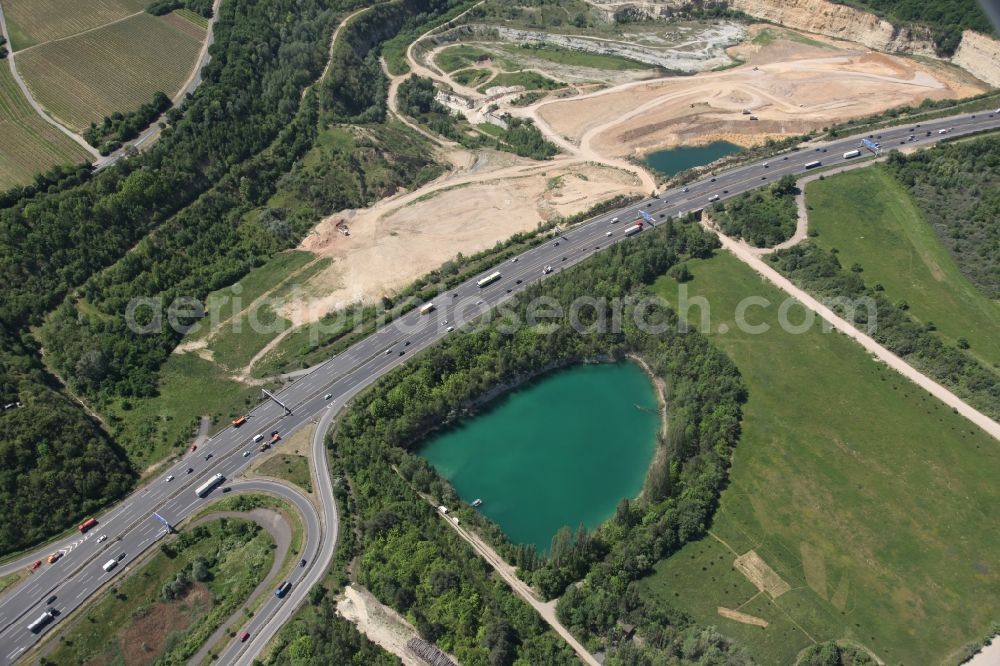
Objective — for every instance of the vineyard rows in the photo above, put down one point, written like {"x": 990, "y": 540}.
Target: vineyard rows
{"x": 28, "y": 145}
{"x": 119, "y": 67}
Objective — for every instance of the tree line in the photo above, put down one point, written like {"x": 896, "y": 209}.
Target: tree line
{"x": 945, "y": 19}
{"x": 957, "y": 187}
{"x": 120, "y": 127}
{"x": 819, "y": 272}
{"x": 161, "y": 7}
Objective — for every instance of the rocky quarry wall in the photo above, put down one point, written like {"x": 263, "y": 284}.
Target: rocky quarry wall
{"x": 977, "y": 54}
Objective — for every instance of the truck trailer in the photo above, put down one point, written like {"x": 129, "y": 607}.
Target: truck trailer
{"x": 852, "y": 153}
{"x": 631, "y": 231}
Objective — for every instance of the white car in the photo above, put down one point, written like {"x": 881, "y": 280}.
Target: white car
{"x": 103, "y": 537}
{"x": 170, "y": 478}
{"x": 608, "y": 234}
{"x": 614, "y": 220}
{"x": 246, "y": 453}
{"x": 514, "y": 260}
{"x": 450, "y": 329}
{"x": 327, "y": 396}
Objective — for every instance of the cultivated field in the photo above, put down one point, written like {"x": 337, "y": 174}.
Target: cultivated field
{"x": 28, "y": 144}
{"x": 36, "y": 21}
{"x": 872, "y": 221}
{"x": 118, "y": 67}
{"x": 870, "y": 503}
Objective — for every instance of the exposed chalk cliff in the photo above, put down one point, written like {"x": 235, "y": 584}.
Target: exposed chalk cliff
{"x": 980, "y": 56}
{"x": 977, "y": 54}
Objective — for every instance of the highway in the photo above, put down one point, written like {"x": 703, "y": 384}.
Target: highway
{"x": 130, "y": 527}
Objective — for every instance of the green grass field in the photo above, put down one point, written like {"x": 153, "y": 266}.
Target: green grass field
{"x": 37, "y": 21}
{"x": 132, "y": 623}
{"x": 152, "y": 428}
{"x": 575, "y": 58}
{"x": 872, "y": 220}
{"x": 290, "y": 467}
{"x": 118, "y": 67}
{"x": 873, "y": 501}
{"x": 458, "y": 56}
{"x": 530, "y": 81}
{"x": 28, "y": 144}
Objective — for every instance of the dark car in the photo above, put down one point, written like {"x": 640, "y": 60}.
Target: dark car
{"x": 713, "y": 180}
{"x": 763, "y": 177}
{"x": 648, "y": 204}
{"x": 121, "y": 557}
{"x": 208, "y": 457}
{"x": 227, "y": 489}
{"x": 401, "y": 352}
{"x": 406, "y": 344}
{"x": 190, "y": 469}
{"x": 273, "y": 433}
{"x": 509, "y": 290}
{"x": 661, "y": 216}
{"x": 564, "y": 258}
{"x": 302, "y": 562}
{"x": 51, "y": 599}
{"x": 519, "y": 282}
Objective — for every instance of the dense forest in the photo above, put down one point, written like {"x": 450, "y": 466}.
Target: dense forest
{"x": 819, "y": 272}
{"x": 411, "y": 560}
{"x": 946, "y": 19}
{"x": 763, "y": 217}
{"x": 56, "y": 464}
{"x": 957, "y": 187}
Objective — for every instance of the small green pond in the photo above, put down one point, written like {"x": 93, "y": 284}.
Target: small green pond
{"x": 676, "y": 160}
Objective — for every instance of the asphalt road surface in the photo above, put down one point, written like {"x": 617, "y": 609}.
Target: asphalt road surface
{"x": 130, "y": 527}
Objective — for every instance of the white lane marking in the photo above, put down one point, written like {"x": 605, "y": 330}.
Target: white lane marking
{"x": 16, "y": 652}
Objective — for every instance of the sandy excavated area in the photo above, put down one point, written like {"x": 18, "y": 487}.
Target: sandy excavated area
{"x": 390, "y": 247}
{"x": 794, "y": 88}
{"x": 381, "y": 624}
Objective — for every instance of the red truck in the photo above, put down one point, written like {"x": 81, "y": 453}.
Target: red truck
{"x": 87, "y": 524}
{"x": 240, "y": 421}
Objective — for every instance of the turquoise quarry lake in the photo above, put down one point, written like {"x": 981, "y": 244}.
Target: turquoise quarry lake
{"x": 563, "y": 450}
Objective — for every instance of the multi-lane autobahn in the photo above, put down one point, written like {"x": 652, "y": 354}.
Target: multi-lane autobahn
{"x": 131, "y": 528}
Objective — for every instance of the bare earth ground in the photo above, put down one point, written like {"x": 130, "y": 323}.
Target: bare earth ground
{"x": 760, "y": 573}
{"x": 742, "y": 617}
{"x": 795, "y": 87}
{"x": 391, "y": 246}
{"x": 381, "y": 624}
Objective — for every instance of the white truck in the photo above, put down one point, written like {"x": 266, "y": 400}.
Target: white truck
{"x": 109, "y": 565}
{"x": 852, "y": 153}
{"x": 426, "y": 308}
{"x": 633, "y": 229}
